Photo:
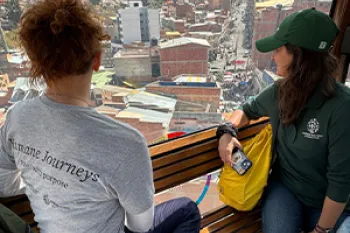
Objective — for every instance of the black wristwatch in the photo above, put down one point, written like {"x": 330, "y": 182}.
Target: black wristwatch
{"x": 226, "y": 128}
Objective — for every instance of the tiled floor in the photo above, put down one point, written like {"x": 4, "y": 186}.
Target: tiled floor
{"x": 193, "y": 190}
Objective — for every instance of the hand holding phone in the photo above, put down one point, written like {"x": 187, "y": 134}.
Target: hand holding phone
{"x": 240, "y": 162}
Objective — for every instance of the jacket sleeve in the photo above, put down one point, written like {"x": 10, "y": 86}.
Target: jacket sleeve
{"x": 260, "y": 105}
{"x": 339, "y": 157}
{"x": 10, "y": 177}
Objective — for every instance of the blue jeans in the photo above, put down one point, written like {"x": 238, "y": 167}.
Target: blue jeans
{"x": 176, "y": 216}
{"x": 283, "y": 212}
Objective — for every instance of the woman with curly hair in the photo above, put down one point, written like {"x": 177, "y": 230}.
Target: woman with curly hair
{"x": 82, "y": 171}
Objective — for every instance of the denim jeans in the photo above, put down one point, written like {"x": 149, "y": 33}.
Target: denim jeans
{"x": 176, "y": 216}
{"x": 283, "y": 212}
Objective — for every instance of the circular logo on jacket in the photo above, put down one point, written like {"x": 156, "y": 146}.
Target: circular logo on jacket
{"x": 313, "y": 126}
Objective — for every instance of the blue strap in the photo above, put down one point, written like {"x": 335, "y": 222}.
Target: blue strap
{"x": 205, "y": 190}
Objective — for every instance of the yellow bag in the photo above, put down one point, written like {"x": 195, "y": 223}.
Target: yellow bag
{"x": 243, "y": 192}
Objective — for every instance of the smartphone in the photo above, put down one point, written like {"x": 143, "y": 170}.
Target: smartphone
{"x": 240, "y": 163}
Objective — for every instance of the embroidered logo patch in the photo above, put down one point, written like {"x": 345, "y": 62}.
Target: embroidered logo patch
{"x": 313, "y": 126}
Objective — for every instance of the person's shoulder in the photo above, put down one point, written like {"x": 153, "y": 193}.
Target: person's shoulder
{"x": 22, "y": 108}
{"x": 340, "y": 100}
{"x": 342, "y": 91}
{"x": 118, "y": 128}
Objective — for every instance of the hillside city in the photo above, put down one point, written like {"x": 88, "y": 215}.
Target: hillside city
{"x": 171, "y": 67}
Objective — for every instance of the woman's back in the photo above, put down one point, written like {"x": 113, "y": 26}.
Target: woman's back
{"x": 76, "y": 166}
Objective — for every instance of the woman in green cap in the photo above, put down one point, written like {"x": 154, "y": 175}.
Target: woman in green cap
{"x": 310, "y": 182}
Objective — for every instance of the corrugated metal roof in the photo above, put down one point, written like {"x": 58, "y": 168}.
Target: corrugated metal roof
{"x": 147, "y": 115}
{"x": 184, "y": 41}
{"x": 116, "y": 89}
{"x": 150, "y": 99}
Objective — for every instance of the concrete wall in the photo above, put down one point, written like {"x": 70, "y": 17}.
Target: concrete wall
{"x": 133, "y": 66}
{"x": 130, "y": 25}
{"x": 186, "y": 59}
{"x": 154, "y": 23}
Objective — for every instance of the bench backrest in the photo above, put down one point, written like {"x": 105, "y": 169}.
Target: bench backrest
{"x": 174, "y": 162}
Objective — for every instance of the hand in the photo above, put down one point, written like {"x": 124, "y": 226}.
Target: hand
{"x": 226, "y": 145}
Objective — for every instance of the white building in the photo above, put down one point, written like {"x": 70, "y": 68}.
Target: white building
{"x": 137, "y": 23}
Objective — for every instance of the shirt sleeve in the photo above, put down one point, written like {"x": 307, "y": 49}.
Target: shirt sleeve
{"x": 339, "y": 155}
{"x": 133, "y": 181}
{"x": 10, "y": 177}
{"x": 259, "y": 106}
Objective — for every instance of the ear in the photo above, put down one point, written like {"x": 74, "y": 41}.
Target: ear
{"x": 97, "y": 62}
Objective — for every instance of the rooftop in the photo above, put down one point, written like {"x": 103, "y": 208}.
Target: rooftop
{"x": 188, "y": 78}
{"x": 151, "y": 101}
{"x": 16, "y": 58}
{"x": 99, "y": 79}
{"x": 184, "y": 41}
{"x": 116, "y": 89}
{"x": 147, "y": 115}
{"x": 269, "y": 3}
{"x": 173, "y": 33}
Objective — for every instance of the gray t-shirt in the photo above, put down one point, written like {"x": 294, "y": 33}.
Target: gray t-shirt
{"x": 81, "y": 170}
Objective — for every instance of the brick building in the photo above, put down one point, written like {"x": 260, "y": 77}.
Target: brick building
{"x": 149, "y": 113}
{"x": 139, "y": 64}
{"x": 172, "y": 24}
{"x": 184, "y": 56}
{"x": 219, "y": 4}
{"x": 267, "y": 20}
{"x": 205, "y": 27}
{"x": 184, "y": 9}
{"x": 201, "y": 92}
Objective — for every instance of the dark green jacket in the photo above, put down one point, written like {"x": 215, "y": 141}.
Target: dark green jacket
{"x": 314, "y": 153}
{"x": 11, "y": 223}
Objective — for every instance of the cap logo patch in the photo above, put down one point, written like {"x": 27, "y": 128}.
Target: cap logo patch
{"x": 323, "y": 45}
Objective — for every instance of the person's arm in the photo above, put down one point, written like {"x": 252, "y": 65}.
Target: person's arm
{"x": 134, "y": 186}
{"x": 239, "y": 118}
{"x": 330, "y": 213}
{"x": 338, "y": 167}
{"x": 11, "y": 183}
{"x": 253, "y": 109}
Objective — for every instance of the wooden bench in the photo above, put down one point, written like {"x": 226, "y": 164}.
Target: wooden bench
{"x": 176, "y": 162}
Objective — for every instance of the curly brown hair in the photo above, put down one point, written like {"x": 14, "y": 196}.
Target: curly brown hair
{"x": 60, "y": 37}
{"x": 309, "y": 71}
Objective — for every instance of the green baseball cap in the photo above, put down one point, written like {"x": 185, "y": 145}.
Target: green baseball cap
{"x": 308, "y": 29}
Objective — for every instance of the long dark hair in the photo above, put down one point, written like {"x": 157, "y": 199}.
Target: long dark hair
{"x": 309, "y": 70}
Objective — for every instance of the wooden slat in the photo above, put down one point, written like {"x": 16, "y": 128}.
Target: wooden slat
{"x": 226, "y": 221}
{"x": 254, "y": 227}
{"x": 235, "y": 222}
{"x": 187, "y": 175}
{"x": 215, "y": 215}
{"x": 183, "y": 154}
{"x": 197, "y": 137}
{"x": 181, "y": 142}
{"x": 251, "y": 131}
{"x": 244, "y": 223}
{"x": 21, "y": 207}
{"x": 185, "y": 164}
